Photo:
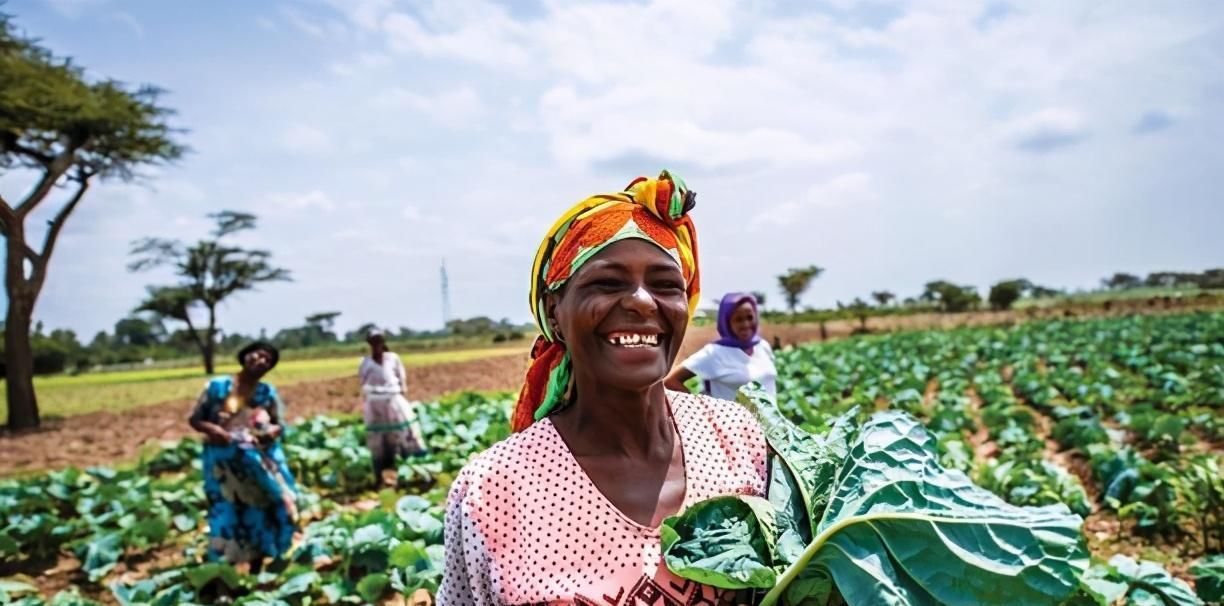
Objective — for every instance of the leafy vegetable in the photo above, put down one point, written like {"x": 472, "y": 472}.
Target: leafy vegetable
{"x": 889, "y": 525}
{"x": 1142, "y": 583}
{"x": 1209, "y": 579}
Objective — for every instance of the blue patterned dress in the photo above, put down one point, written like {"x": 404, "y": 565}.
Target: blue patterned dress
{"x": 252, "y": 510}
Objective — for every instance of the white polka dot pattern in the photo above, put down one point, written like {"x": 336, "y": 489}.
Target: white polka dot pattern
{"x": 525, "y": 525}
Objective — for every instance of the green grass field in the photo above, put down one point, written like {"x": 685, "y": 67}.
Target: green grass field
{"x": 1100, "y": 296}
{"x": 64, "y": 396}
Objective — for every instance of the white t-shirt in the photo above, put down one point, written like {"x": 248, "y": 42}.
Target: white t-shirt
{"x": 386, "y": 378}
{"x": 725, "y": 369}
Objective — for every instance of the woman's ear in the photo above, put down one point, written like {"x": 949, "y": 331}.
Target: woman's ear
{"x": 551, "y": 302}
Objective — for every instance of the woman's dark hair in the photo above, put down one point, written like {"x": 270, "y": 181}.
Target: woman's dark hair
{"x": 273, "y": 352}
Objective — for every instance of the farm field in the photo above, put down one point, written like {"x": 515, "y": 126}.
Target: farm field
{"x": 1117, "y": 418}
{"x": 66, "y": 396}
{"x": 63, "y": 396}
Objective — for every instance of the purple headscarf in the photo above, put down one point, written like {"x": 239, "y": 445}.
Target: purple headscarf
{"x": 726, "y": 309}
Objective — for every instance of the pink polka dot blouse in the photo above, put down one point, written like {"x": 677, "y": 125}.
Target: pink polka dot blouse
{"x": 525, "y": 525}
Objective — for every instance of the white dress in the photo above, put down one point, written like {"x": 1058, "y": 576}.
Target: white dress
{"x": 389, "y": 418}
{"x": 724, "y": 369}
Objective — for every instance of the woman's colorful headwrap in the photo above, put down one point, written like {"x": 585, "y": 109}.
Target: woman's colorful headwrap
{"x": 655, "y": 210}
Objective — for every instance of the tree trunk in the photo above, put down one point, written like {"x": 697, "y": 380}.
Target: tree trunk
{"x": 209, "y": 368}
{"x": 204, "y": 351}
{"x": 210, "y": 340}
{"x": 18, "y": 353}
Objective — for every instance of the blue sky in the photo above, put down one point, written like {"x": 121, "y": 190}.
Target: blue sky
{"x": 891, "y": 142}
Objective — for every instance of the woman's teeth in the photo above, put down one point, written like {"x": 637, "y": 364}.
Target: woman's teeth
{"x": 633, "y": 340}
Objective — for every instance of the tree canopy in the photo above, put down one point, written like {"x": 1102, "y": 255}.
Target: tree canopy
{"x": 67, "y": 130}
{"x": 796, "y": 281}
{"x": 209, "y": 271}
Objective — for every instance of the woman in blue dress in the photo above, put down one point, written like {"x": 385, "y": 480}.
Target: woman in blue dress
{"x": 252, "y": 511}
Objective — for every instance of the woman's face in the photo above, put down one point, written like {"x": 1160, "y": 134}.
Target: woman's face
{"x": 743, "y": 322}
{"x": 257, "y": 362}
{"x": 623, "y": 315}
{"x": 378, "y": 344}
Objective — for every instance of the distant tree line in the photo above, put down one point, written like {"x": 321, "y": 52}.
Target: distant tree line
{"x": 1210, "y": 279}
{"x": 948, "y": 297}
{"x": 144, "y": 337}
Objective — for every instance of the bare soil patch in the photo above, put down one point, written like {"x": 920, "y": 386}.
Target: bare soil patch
{"x": 103, "y": 437}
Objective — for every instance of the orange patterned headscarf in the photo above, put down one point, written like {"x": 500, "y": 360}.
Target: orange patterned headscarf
{"x": 655, "y": 210}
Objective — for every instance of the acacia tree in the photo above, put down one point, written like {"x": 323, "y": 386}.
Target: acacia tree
{"x": 209, "y": 271}
{"x": 883, "y": 297}
{"x": 861, "y": 310}
{"x": 1005, "y": 293}
{"x": 1121, "y": 281}
{"x": 66, "y": 132}
{"x": 951, "y": 297}
{"x": 795, "y": 282}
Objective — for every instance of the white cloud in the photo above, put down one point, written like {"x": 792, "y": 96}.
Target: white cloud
{"x": 879, "y": 139}
{"x": 305, "y": 139}
{"x": 1047, "y": 130}
{"x": 854, "y": 188}
{"x": 366, "y": 14}
{"x": 362, "y": 62}
{"x": 311, "y": 200}
{"x": 349, "y": 234}
{"x": 130, "y": 22}
{"x": 479, "y": 32}
{"x": 318, "y": 28}
{"x": 455, "y": 108}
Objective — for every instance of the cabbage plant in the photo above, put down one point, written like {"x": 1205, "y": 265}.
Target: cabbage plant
{"x": 868, "y": 514}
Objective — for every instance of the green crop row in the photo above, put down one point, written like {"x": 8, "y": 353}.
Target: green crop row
{"x": 1135, "y": 401}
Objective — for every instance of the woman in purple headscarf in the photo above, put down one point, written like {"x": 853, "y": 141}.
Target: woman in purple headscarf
{"x": 739, "y": 355}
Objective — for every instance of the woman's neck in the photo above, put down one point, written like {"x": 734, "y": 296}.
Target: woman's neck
{"x": 245, "y": 382}
{"x": 618, "y": 422}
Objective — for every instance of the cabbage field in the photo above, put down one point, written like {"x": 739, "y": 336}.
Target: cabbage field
{"x": 1119, "y": 419}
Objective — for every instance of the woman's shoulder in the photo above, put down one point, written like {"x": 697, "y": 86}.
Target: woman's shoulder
{"x": 730, "y": 448}
{"x": 218, "y": 387}
{"x": 710, "y": 410}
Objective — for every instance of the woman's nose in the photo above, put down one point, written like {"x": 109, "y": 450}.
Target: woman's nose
{"x": 640, "y": 301}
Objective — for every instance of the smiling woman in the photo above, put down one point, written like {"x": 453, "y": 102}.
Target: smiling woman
{"x": 568, "y": 509}
{"x": 737, "y": 358}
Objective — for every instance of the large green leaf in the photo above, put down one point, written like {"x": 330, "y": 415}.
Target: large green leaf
{"x": 898, "y": 529}
{"x": 1152, "y": 584}
{"x": 724, "y": 541}
{"x": 899, "y": 524}
{"x": 301, "y": 584}
{"x": 810, "y": 460}
{"x": 213, "y": 572}
{"x": 100, "y": 555}
{"x": 372, "y": 587}
{"x": 1209, "y": 578}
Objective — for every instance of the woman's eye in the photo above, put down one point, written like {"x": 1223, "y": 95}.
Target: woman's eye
{"x": 606, "y": 283}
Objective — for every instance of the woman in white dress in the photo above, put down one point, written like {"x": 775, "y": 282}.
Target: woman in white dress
{"x": 391, "y": 430}
{"x": 737, "y": 357}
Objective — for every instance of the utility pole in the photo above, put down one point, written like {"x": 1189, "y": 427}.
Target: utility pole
{"x": 445, "y": 298}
